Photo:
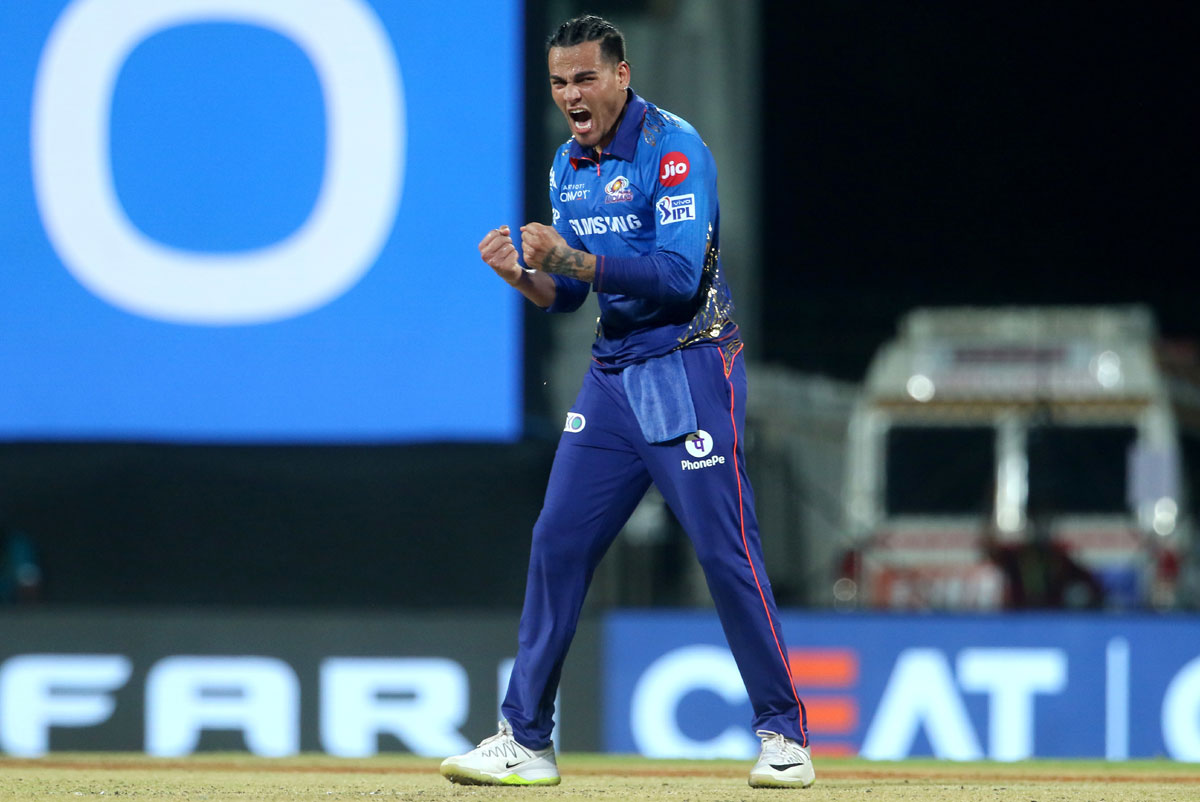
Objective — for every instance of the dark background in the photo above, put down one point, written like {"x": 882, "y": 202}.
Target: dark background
{"x": 913, "y": 154}
{"x": 923, "y": 153}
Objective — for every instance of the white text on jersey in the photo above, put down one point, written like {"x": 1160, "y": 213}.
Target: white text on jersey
{"x": 602, "y": 225}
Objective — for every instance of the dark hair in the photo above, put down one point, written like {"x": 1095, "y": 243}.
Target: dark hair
{"x": 590, "y": 28}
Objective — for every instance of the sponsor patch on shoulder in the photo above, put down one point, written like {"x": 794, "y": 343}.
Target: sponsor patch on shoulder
{"x": 575, "y": 422}
{"x": 676, "y": 208}
{"x": 673, "y": 169}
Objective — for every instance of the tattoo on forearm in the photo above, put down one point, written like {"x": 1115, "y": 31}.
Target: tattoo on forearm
{"x": 565, "y": 262}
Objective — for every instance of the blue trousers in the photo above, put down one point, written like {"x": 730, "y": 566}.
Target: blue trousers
{"x": 601, "y": 470}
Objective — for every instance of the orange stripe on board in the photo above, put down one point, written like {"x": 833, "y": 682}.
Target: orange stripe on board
{"x": 837, "y": 715}
{"x": 833, "y": 749}
{"x": 823, "y": 668}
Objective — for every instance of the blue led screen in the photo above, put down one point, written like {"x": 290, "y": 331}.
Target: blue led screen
{"x": 256, "y": 220}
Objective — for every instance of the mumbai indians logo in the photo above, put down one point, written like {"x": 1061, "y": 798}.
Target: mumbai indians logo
{"x": 618, "y": 190}
{"x": 676, "y": 208}
{"x": 575, "y": 422}
{"x": 553, "y": 181}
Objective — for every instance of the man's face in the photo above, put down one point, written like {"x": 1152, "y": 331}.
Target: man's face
{"x": 589, "y": 91}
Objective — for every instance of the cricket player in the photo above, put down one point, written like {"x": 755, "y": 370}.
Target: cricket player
{"x": 634, "y": 196}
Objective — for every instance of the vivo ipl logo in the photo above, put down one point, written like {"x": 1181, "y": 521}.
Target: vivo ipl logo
{"x": 676, "y": 208}
{"x": 346, "y": 229}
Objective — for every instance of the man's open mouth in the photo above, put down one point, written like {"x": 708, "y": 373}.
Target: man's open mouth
{"x": 581, "y": 120}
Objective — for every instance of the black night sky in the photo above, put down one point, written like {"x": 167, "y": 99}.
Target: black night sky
{"x": 976, "y": 152}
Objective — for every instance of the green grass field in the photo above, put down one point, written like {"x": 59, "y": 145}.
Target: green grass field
{"x": 320, "y": 777}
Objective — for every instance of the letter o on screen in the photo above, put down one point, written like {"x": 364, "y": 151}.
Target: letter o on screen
{"x": 347, "y": 227}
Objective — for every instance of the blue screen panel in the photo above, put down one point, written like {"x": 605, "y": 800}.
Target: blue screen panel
{"x": 254, "y": 221}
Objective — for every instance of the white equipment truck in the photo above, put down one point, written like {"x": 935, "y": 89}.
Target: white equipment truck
{"x": 981, "y": 430}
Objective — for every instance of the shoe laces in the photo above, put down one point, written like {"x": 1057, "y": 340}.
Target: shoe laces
{"x": 776, "y": 745}
{"x": 505, "y": 731}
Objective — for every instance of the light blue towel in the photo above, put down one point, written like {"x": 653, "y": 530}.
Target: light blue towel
{"x": 658, "y": 391}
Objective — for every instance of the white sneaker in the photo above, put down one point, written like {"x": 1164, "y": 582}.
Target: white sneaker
{"x": 782, "y": 764}
{"x": 500, "y": 760}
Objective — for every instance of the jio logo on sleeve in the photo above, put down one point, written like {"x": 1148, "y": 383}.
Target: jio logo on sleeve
{"x": 673, "y": 168}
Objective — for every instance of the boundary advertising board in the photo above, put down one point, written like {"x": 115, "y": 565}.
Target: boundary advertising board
{"x": 659, "y": 684}
{"x": 173, "y": 683}
{"x": 896, "y": 686}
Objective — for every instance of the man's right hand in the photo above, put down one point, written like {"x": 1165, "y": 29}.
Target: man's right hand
{"x": 498, "y": 251}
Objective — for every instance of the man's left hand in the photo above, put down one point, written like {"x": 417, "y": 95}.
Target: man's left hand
{"x": 544, "y": 249}
{"x": 537, "y": 242}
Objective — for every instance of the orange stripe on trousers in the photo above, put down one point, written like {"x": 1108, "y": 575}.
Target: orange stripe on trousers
{"x": 746, "y": 547}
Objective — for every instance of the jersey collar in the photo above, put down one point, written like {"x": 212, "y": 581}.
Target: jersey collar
{"x": 624, "y": 143}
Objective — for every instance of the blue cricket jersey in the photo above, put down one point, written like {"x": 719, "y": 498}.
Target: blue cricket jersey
{"x": 647, "y": 208}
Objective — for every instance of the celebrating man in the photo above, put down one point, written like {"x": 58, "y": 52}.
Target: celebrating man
{"x": 634, "y": 195}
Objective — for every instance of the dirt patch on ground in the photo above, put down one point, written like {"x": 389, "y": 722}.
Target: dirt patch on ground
{"x": 700, "y": 769}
